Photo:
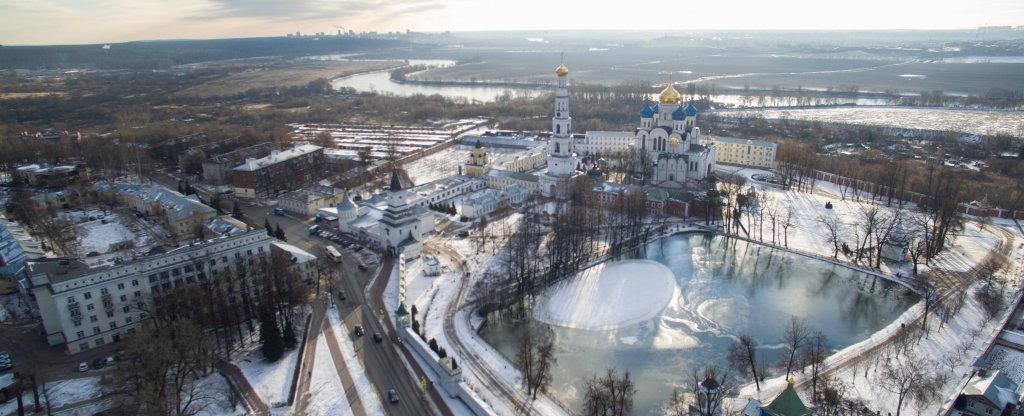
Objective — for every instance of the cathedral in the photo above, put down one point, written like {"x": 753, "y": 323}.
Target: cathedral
{"x": 667, "y": 143}
{"x": 670, "y": 141}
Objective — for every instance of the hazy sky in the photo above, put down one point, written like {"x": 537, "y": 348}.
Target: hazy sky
{"x": 102, "y": 21}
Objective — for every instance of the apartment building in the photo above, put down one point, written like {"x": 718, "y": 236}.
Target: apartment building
{"x": 84, "y": 308}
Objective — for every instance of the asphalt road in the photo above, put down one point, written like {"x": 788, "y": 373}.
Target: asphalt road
{"x": 383, "y": 365}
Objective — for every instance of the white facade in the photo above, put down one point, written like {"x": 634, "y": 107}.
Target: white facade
{"x": 561, "y": 158}
{"x": 481, "y": 204}
{"x": 745, "y": 152}
{"x": 605, "y": 142}
{"x": 87, "y": 308}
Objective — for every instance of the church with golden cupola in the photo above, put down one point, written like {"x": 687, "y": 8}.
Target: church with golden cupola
{"x": 670, "y": 141}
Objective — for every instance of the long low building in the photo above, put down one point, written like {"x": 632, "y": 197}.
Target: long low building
{"x": 182, "y": 215}
{"x": 86, "y": 308}
{"x": 744, "y": 152}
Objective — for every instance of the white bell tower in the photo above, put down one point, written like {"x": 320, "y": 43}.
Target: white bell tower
{"x": 561, "y": 162}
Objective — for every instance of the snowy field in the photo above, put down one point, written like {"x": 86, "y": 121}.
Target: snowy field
{"x": 60, "y": 394}
{"x": 445, "y": 163}
{"x": 272, "y": 381}
{"x": 326, "y": 390}
{"x": 99, "y": 235}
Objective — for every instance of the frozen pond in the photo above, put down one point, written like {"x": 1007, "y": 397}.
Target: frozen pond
{"x": 722, "y": 288}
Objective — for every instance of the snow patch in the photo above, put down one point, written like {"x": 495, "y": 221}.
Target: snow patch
{"x": 609, "y": 295}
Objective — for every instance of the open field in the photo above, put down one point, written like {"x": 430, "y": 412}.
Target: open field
{"x": 298, "y": 73}
{"x": 17, "y": 95}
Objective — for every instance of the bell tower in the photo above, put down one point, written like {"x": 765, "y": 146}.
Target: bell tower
{"x": 561, "y": 162}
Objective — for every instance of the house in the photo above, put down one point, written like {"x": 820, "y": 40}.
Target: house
{"x": 431, "y": 266}
{"x": 987, "y": 393}
{"x": 306, "y": 201}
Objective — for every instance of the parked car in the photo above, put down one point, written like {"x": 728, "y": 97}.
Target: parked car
{"x": 99, "y": 363}
{"x": 357, "y": 248}
{"x": 5, "y": 361}
{"x": 362, "y": 267}
{"x": 278, "y": 211}
{"x": 359, "y": 331}
{"x": 83, "y": 367}
{"x": 110, "y": 360}
{"x": 341, "y": 294}
{"x": 377, "y": 338}
{"x": 392, "y": 396}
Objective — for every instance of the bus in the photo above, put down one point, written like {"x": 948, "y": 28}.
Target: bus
{"x": 333, "y": 254}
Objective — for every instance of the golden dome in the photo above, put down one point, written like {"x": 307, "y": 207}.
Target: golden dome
{"x": 669, "y": 95}
{"x": 561, "y": 70}
{"x": 673, "y": 141}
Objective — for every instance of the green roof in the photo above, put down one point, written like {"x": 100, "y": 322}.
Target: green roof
{"x": 787, "y": 403}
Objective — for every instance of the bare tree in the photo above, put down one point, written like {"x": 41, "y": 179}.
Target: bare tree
{"x": 542, "y": 372}
{"x": 611, "y": 395}
{"x": 831, "y": 224}
{"x": 525, "y": 359}
{"x": 163, "y": 366}
{"x": 814, "y": 354}
{"x": 742, "y": 357}
{"x": 795, "y": 336}
{"x": 904, "y": 378}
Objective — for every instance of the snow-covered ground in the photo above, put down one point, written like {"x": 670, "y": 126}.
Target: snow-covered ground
{"x": 272, "y": 381}
{"x": 99, "y": 235}
{"x": 325, "y": 388}
{"x": 368, "y": 396}
{"x": 950, "y": 348}
{"x": 959, "y": 338}
{"x": 60, "y": 393}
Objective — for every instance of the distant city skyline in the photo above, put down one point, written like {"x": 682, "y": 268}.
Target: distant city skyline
{"x": 108, "y": 21}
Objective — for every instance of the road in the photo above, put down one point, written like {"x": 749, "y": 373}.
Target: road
{"x": 384, "y": 367}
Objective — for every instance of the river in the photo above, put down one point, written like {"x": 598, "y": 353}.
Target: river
{"x": 723, "y": 288}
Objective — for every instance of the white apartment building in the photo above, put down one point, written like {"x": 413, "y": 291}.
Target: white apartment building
{"x": 605, "y": 142}
{"x": 744, "y": 152}
{"x": 86, "y": 308}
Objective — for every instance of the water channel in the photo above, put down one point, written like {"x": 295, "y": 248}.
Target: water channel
{"x": 721, "y": 288}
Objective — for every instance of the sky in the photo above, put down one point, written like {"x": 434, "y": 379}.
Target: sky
{"x": 109, "y": 21}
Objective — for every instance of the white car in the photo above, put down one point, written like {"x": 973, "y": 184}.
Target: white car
{"x": 83, "y": 367}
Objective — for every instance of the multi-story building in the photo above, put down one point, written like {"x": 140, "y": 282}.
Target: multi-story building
{"x": 482, "y": 203}
{"x": 307, "y": 200}
{"x": 50, "y": 176}
{"x": 605, "y": 142}
{"x": 16, "y": 246}
{"x": 280, "y": 172}
{"x": 217, "y": 169}
{"x": 744, "y": 152}
{"x": 85, "y": 308}
{"x": 182, "y": 215}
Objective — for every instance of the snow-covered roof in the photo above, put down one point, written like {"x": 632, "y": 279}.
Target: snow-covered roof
{"x": 277, "y": 157}
{"x": 995, "y": 387}
{"x": 225, "y": 225}
{"x": 176, "y": 205}
{"x": 300, "y": 255}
